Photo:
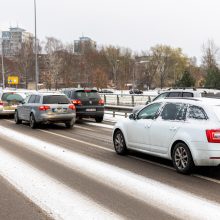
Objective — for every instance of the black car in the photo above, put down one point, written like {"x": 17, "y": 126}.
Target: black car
{"x": 135, "y": 91}
{"x": 88, "y": 103}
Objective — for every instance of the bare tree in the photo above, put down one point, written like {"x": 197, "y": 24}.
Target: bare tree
{"x": 25, "y": 60}
{"x": 210, "y": 54}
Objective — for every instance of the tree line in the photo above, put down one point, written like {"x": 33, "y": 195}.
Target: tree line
{"x": 112, "y": 66}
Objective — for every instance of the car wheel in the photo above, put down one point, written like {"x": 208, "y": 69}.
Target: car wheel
{"x": 119, "y": 143}
{"x": 33, "y": 123}
{"x": 69, "y": 124}
{"x": 99, "y": 119}
{"x": 17, "y": 120}
{"x": 182, "y": 158}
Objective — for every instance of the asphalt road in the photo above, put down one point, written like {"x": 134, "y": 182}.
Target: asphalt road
{"x": 92, "y": 142}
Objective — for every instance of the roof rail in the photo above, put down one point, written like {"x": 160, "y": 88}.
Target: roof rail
{"x": 186, "y": 98}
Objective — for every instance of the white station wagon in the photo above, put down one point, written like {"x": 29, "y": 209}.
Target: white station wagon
{"x": 186, "y": 130}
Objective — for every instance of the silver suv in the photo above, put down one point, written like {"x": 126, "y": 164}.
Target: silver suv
{"x": 46, "y": 108}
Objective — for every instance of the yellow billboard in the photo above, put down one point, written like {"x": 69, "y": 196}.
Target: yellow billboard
{"x": 13, "y": 80}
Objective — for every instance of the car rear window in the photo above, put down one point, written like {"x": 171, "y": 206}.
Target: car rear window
{"x": 12, "y": 97}
{"x": 87, "y": 94}
{"x": 55, "y": 99}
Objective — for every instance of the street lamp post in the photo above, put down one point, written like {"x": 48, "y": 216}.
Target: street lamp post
{"x": 36, "y": 50}
{"x": 3, "y": 69}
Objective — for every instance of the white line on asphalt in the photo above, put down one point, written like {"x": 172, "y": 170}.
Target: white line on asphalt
{"x": 100, "y": 125}
{"x": 144, "y": 160}
{"x": 77, "y": 140}
{"x": 171, "y": 200}
{"x": 81, "y": 127}
{"x": 56, "y": 199}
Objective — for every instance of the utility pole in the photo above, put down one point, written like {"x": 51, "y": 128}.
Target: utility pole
{"x": 3, "y": 69}
{"x": 36, "y": 50}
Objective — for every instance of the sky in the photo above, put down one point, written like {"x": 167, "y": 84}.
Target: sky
{"x": 134, "y": 24}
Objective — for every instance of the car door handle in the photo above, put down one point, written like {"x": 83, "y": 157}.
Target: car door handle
{"x": 173, "y": 128}
{"x": 147, "y": 125}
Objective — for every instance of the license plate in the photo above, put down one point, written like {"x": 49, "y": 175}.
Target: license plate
{"x": 90, "y": 109}
{"x": 59, "y": 110}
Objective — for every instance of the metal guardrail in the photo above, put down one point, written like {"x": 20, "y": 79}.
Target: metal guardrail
{"x": 117, "y": 110}
{"x": 126, "y": 99}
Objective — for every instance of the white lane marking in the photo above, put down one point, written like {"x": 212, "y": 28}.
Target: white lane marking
{"x": 100, "y": 125}
{"x": 56, "y": 199}
{"x": 77, "y": 140}
{"x": 151, "y": 162}
{"x": 171, "y": 200}
{"x": 81, "y": 127}
{"x": 207, "y": 178}
{"x": 144, "y": 160}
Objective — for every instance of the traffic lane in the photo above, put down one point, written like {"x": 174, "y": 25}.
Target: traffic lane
{"x": 154, "y": 171}
{"x": 116, "y": 201}
{"x": 14, "y": 205}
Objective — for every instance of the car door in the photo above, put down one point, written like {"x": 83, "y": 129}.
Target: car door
{"x": 164, "y": 128}
{"x": 138, "y": 128}
{"x": 27, "y": 107}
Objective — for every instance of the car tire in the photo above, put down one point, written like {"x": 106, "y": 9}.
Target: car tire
{"x": 69, "y": 124}
{"x": 33, "y": 123}
{"x": 182, "y": 158}
{"x": 119, "y": 143}
{"x": 16, "y": 117}
{"x": 99, "y": 119}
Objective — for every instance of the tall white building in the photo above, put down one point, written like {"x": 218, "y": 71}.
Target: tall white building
{"x": 13, "y": 39}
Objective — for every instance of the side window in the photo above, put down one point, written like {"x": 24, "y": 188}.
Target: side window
{"x": 161, "y": 96}
{"x": 187, "y": 94}
{"x": 174, "y": 94}
{"x": 149, "y": 112}
{"x": 196, "y": 112}
{"x": 31, "y": 99}
{"x": 174, "y": 111}
{"x": 37, "y": 99}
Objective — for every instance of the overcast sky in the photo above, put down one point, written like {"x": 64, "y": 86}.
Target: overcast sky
{"x": 136, "y": 24}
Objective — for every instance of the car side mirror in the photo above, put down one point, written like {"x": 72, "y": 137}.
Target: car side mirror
{"x": 133, "y": 116}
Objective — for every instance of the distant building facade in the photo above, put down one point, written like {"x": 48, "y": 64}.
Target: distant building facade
{"x": 13, "y": 39}
{"x": 83, "y": 44}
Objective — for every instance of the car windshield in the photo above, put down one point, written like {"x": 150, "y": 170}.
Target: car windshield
{"x": 55, "y": 99}
{"x": 90, "y": 94}
{"x": 12, "y": 97}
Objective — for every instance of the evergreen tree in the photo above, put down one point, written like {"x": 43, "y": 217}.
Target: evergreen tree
{"x": 186, "y": 81}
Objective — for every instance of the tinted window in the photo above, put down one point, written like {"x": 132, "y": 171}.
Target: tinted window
{"x": 12, "y": 97}
{"x": 37, "y": 99}
{"x": 174, "y": 111}
{"x": 149, "y": 112}
{"x": 84, "y": 94}
{"x": 175, "y": 94}
{"x": 31, "y": 99}
{"x": 161, "y": 96}
{"x": 187, "y": 94}
{"x": 55, "y": 99}
{"x": 196, "y": 112}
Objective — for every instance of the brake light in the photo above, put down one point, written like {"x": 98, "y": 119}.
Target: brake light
{"x": 44, "y": 107}
{"x": 72, "y": 107}
{"x": 213, "y": 135}
{"x": 1, "y": 103}
{"x": 76, "y": 102}
{"x": 87, "y": 90}
{"x": 101, "y": 102}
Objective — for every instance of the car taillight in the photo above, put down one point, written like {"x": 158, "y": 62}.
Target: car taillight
{"x": 1, "y": 103}
{"x": 44, "y": 107}
{"x": 101, "y": 102}
{"x": 213, "y": 135}
{"x": 72, "y": 107}
{"x": 76, "y": 102}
